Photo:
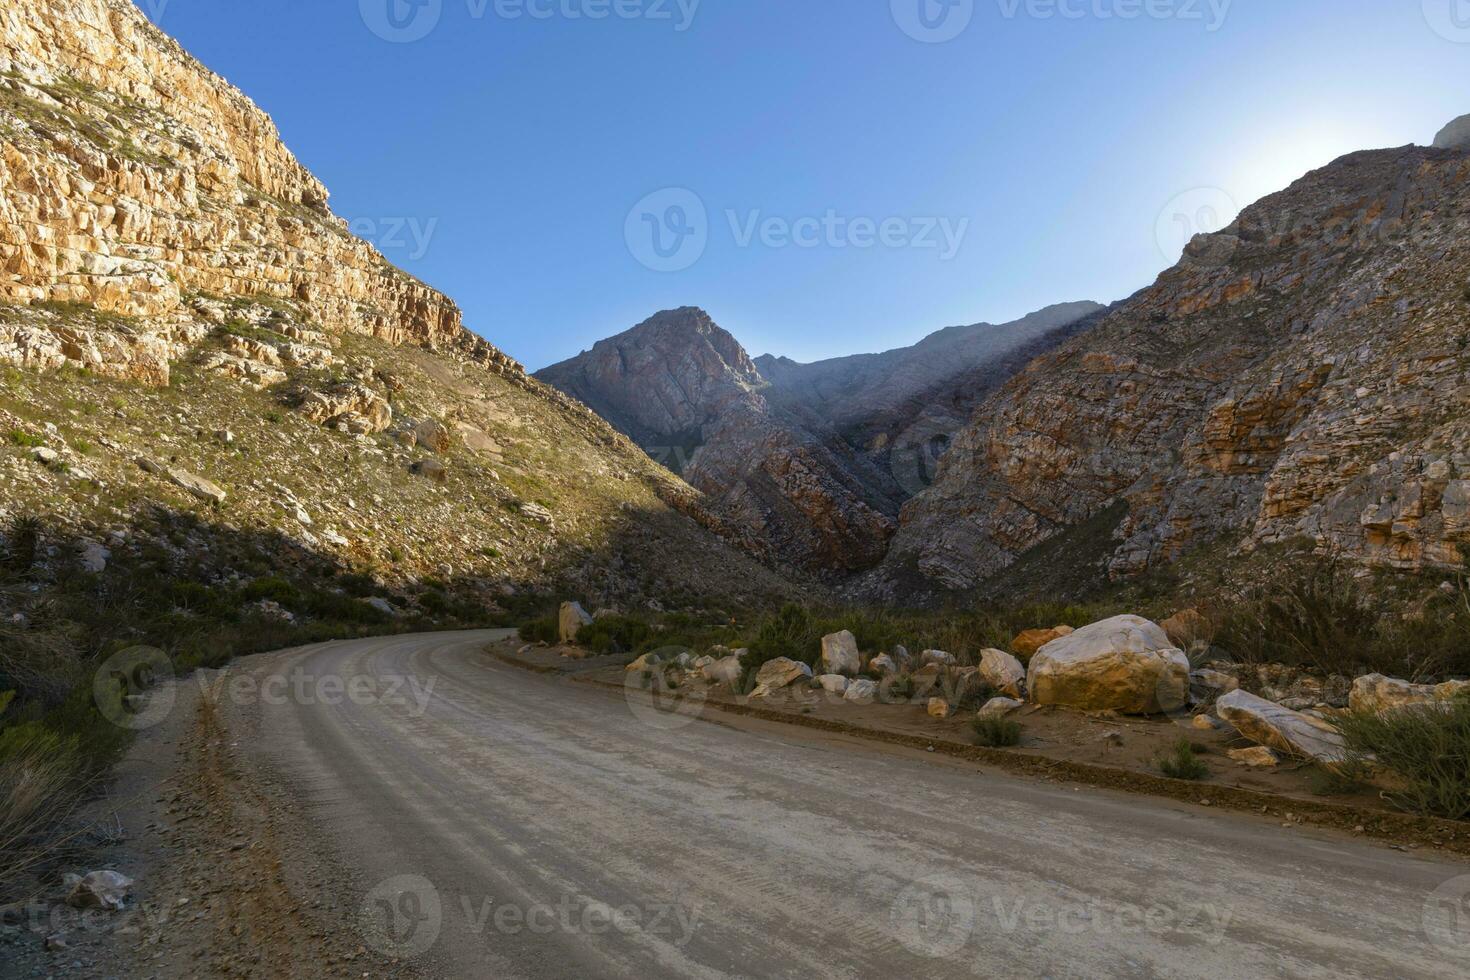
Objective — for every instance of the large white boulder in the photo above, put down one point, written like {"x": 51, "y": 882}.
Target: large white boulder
{"x": 1123, "y": 664}
{"x": 570, "y": 621}
{"x": 937, "y": 657}
{"x": 774, "y": 675}
{"x": 1003, "y": 672}
{"x": 861, "y": 691}
{"x": 1278, "y": 727}
{"x": 1376, "y": 693}
{"x": 840, "y": 654}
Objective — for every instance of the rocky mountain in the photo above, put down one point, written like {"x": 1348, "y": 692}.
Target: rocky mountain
{"x": 688, "y": 393}
{"x": 1305, "y": 373}
{"x": 902, "y": 407}
{"x": 813, "y": 461}
{"x": 207, "y": 371}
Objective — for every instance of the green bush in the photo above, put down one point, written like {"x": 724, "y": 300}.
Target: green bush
{"x": 543, "y": 629}
{"x": 275, "y": 589}
{"x": 1181, "y": 762}
{"x": 792, "y": 633}
{"x": 19, "y": 437}
{"x": 614, "y": 634}
{"x": 1426, "y": 751}
{"x": 997, "y": 733}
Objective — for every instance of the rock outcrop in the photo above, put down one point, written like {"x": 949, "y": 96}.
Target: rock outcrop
{"x": 1377, "y": 694}
{"x": 135, "y": 179}
{"x": 1301, "y": 374}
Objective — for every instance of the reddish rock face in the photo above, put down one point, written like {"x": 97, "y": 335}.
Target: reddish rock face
{"x": 1302, "y": 373}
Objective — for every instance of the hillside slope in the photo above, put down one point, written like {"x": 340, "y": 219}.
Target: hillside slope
{"x": 1303, "y": 373}
{"x": 196, "y": 342}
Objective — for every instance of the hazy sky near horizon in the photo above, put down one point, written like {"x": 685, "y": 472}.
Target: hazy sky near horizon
{"x": 824, "y": 177}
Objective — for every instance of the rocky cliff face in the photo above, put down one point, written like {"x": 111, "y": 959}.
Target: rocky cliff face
{"x": 205, "y": 347}
{"x": 1304, "y": 373}
{"x": 135, "y": 181}
{"x": 687, "y": 392}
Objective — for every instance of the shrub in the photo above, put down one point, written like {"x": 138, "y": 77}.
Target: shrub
{"x": 19, "y": 437}
{"x": 274, "y": 588}
{"x": 41, "y": 783}
{"x": 791, "y": 633}
{"x": 997, "y": 733}
{"x": 1425, "y": 749}
{"x": 614, "y": 634}
{"x": 1181, "y": 762}
{"x": 543, "y": 629}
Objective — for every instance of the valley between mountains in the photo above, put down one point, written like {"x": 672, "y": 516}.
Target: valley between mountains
{"x": 323, "y": 621}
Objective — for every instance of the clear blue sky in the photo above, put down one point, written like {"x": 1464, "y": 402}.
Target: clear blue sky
{"x": 517, "y": 146}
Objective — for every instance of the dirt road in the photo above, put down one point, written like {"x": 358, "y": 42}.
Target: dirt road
{"x": 501, "y": 823}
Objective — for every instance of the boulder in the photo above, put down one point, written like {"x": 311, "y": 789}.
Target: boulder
{"x": 1455, "y": 136}
{"x": 1376, "y": 693}
{"x": 98, "y": 890}
{"x": 570, "y": 620}
{"x": 1203, "y": 723}
{"x": 861, "y": 690}
{"x": 1003, "y": 672}
{"x": 833, "y": 683}
{"x": 1270, "y": 724}
{"x": 937, "y": 657}
{"x": 1257, "y": 757}
{"x": 1026, "y": 644}
{"x": 382, "y": 605}
{"x": 938, "y": 708}
{"x": 196, "y": 486}
{"x": 430, "y": 469}
{"x": 840, "y": 654}
{"x": 998, "y": 707}
{"x": 432, "y": 435}
{"x": 883, "y": 665}
{"x": 774, "y": 675}
{"x": 699, "y": 662}
{"x": 726, "y": 670}
{"x": 649, "y": 661}
{"x": 1123, "y": 664}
